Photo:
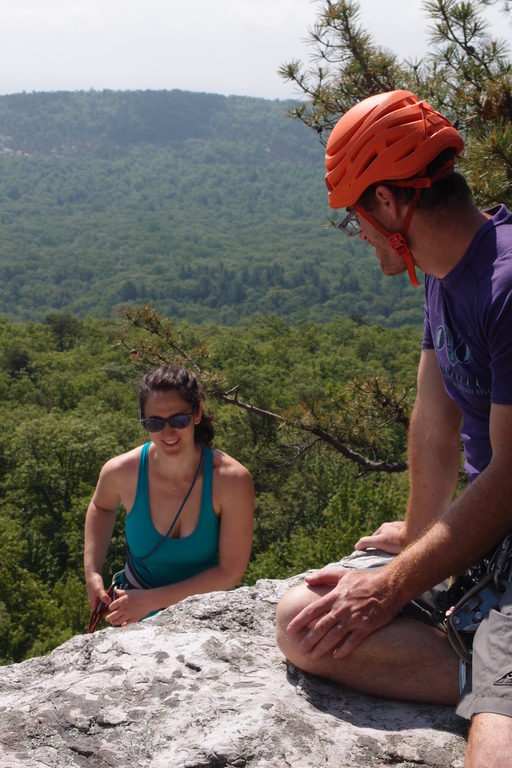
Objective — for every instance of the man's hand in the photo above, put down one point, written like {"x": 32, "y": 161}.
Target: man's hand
{"x": 357, "y": 604}
{"x": 129, "y": 607}
{"x": 389, "y": 537}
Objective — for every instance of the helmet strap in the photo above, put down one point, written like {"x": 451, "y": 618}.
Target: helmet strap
{"x": 397, "y": 239}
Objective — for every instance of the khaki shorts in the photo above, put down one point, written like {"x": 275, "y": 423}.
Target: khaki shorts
{"x": 488, "y": 679}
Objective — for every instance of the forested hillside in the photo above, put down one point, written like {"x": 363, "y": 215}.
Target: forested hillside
{"x": 214, "y": 210}
{"x": 68, "y": 403}
{"x": 207, "y": 215}
{"x": 210, "y": 207}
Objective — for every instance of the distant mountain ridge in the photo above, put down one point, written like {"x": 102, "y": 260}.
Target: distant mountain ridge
{"x": 85, "y": 120}
{"x": 210, "y": 207}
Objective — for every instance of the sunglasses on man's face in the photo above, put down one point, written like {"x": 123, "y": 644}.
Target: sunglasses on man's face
{"x": 176, "y": 421}
{"x": 350, "y": 225}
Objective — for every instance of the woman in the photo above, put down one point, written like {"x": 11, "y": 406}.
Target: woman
{"x": 189, "y": 509}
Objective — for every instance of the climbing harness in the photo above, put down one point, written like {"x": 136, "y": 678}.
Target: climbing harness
{"x": 482, "y": 587}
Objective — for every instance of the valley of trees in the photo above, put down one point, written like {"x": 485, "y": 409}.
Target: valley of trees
{"x": 209, "y": 207}
{"x": 68, "y": 403}
{"x": 147, "y": 226}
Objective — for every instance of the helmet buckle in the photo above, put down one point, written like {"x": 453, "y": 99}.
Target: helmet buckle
{"x": 398, "y": 243}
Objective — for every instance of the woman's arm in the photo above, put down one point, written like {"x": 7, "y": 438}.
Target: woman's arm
{"x": 99, "y": 525}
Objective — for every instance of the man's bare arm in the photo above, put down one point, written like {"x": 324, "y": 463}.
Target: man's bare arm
{"x": 434, "y": 457}
{"x": 434, "y": 449}
{"x": 474, "y": 523}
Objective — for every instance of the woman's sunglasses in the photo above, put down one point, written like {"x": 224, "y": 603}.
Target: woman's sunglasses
{"x": 176, "y": 421}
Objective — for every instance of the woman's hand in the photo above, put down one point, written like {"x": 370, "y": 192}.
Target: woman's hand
{"x": 96, "y": 591}
{"x": 129, "y": 607}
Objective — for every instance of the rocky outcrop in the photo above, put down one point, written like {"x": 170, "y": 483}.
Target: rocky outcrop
{"x": 203, "y": 685}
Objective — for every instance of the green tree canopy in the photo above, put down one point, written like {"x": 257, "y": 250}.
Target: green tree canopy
{"x": 68, "y": 403}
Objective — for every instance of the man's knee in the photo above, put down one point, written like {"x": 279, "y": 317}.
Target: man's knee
{"x": 288, "y": 607}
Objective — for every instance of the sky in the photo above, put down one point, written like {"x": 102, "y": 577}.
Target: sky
{"x": 214, "y": 46}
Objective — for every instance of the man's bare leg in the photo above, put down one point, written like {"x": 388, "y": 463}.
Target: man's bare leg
{"x": 405, "y": 660}
{"x": 490, "y": 741}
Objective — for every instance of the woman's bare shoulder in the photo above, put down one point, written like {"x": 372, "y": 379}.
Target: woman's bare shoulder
{"x": 233, "y": 489}
{"x": 124, "y": 463}
{"x": 229, "y": 474}
{"x": 226, "y": 468}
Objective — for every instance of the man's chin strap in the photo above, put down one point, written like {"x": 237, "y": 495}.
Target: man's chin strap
{"x": 397, "y": 239}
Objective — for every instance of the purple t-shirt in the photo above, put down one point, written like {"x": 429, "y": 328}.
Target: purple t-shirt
{"x": 468, "y": 322}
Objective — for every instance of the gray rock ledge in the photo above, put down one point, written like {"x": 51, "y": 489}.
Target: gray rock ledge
{"x": 203, "y": 685}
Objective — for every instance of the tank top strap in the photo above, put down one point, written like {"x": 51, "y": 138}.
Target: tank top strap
{"x": 206, "y": 494}
{"x": 142, "y": 494}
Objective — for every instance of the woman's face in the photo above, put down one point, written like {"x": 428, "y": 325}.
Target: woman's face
{"x": 164, "y": 405}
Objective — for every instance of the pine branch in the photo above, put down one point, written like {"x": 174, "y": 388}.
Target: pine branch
{"x": 164, "y": 344}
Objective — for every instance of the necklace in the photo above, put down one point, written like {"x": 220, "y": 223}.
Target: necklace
{"x": 178, "y": 513}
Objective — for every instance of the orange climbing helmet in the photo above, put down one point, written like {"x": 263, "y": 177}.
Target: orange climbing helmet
{"x": 389, "y": 137}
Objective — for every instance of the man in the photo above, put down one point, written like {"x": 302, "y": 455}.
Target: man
{"x": 390, "y": 162}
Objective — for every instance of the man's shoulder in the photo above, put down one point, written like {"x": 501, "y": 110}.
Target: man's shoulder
{"x": 498, "y": 241}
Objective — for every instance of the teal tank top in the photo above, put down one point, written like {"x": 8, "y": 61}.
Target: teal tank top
{"x": 174, "y": 559}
